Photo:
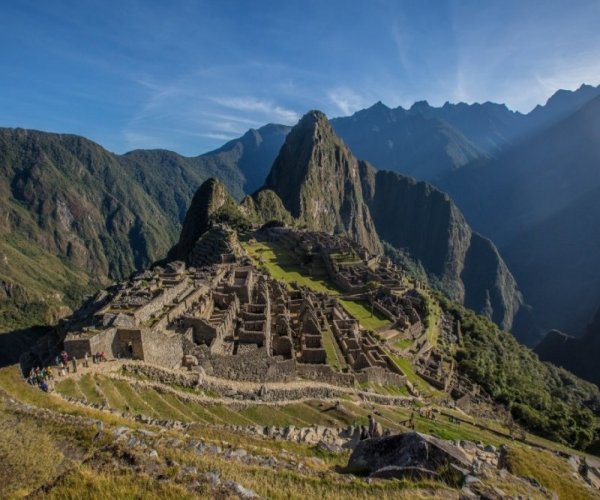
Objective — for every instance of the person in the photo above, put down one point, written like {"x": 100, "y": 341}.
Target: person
{"x": 364, "y": 433}
{"x": 57, "y": 360}
{"x": 130, "y": 350}
{"x": 74, "y": 364}
{"x": 411, "y": 422}
{"x": 375, "y": 428}
{"x": 85, "y": 360}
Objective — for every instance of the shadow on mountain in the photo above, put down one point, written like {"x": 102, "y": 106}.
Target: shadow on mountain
{"x": 14, "y": 344}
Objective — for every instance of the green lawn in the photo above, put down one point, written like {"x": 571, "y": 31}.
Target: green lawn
{"x": 335, "y": 359}
{"x": 361, "y": 312}
{"x": 282, "y": 266}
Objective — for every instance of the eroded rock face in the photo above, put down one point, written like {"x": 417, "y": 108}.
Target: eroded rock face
{"x": 409, "y": 450}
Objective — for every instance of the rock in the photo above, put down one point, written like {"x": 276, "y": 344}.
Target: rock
{"x": 413, "y": 473}
{"x": 503, "y": 457}
{"x": 532, "y": 481}
{"x": 263, "y": 391}
{"x": 190, "y": 360}
{"x": 239, "y": 453}
{"x": 153, "y": 454}
{"x": 119, "y": 431}
{"x": 469, "y": 480}
{"x": 188, "y": 470}
{"x": 490, "y": 448}
{"x": 211, "y": 477}
{"x": 467, "y": 494}
{"x": 329, "y": 447}
{"x": 410, "y": 449}
{"x": 240, "y": 490}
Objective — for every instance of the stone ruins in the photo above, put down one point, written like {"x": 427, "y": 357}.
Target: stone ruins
{"x": 225, "y": 316}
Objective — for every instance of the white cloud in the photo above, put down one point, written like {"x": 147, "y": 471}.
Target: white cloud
{"x": 265, "y": 107}
{"x": 346, "y": 100}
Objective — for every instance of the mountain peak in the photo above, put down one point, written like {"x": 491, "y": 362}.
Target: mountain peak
{"x": 316, "y": 176}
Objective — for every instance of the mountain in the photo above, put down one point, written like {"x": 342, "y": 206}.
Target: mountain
{"x": 405, "y": 141}
{"x": 578, "y": 355}
{"x": 317, "y": 178}
{"x": 74, "y": 215}
{"x": 416, "y": 217}
{"x": 429, "y": 142}
{"x": 537, "y": 201}
{"x": 325, "y": 188}
{"x": 252, "y": 154}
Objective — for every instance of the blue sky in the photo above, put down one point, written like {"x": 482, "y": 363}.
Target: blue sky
{"x": 189, "y": 75}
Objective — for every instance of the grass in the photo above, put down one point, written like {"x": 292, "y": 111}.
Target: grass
{"x": 280, "y": 265}
{"x": 69, "y": 388}
{"x": 85, "y": 482}
{"x": 87, "y": 385}
{"x": 403, "y": 343}
{"x": 361, "y": 312}
{"x": 549, "y": 470}
{"x": 406, "y": 366}
{"x": 335, "y": 359}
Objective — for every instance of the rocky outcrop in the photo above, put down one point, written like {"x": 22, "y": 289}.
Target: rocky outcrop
{"x": 211, "y": 204}
{"x": 421, "y": 220}
{"x": 317, "y": 179}
{"x": 406, "y": 455}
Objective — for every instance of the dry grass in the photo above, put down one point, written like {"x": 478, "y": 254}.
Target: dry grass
{"x": 550, "y": 471}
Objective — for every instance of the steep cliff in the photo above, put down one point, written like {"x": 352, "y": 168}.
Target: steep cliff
{"x": 316, "y": 177}
{"x": 211, "y": 203}
{"x": 425, "y": 223}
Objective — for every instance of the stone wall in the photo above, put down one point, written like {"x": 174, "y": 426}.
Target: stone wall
{"x": 103, "y": 341}
{"x": 166, "y": 297}
{"x": 379, "y": 375}
{"x": 162, "y": 348}
{"x": 324, "y": 373}
{"x": 255, "y": 366}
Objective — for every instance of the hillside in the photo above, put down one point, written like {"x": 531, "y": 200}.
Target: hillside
{"x": 405, "y": 141}
{"x": 577, "y": 354}
{"x": 537, "y": 202}
{"x": 75, "y": 216}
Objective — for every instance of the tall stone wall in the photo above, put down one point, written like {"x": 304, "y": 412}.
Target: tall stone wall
{"x": 103, "y": 341}
{"x": 162, "y": 348}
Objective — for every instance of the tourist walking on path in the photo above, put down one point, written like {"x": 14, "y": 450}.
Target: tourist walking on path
{"x": 74, "y": 364}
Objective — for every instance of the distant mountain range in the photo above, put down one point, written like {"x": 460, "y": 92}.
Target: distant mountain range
{"x": 520, "y": 179}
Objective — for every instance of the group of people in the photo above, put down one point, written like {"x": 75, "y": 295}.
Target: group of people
{"x": 65, "y": 363}
{"x": 42, "y": 377}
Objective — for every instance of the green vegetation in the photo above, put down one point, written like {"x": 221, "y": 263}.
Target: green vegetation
{"x": 361, "y": 312}
{"x": 549, "y": 470}
{"x": 546, "y": 400}
{"x": 276, "y": 259}
{"x": 335, "y": 359}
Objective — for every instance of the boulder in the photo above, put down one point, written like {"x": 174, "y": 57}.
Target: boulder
{"x": 190, "y": 360}
{"x": 407, "y": 450}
